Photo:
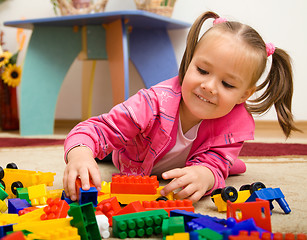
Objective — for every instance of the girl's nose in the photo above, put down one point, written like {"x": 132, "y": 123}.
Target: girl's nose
{"x": 209, "y": 85}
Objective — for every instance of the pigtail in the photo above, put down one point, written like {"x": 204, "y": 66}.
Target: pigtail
{"x": 192, "y": 40}
{"x": 279, "y": 92}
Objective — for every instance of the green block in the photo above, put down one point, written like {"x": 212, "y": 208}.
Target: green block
{"x": 139, "y": 224}
{"x": 173, "y": 225}
{"x": 3, "y": 194}
{"x": 85, "y": 220}
{"x": 22, "y": 193}
{"x": 208, "y": 234}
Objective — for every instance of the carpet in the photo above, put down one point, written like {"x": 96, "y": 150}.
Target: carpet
{"x": 286, "y": 173}
{"x": 254, "y": 149}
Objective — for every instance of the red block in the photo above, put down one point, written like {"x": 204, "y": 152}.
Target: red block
{"x": 26, "y": 210}
{"x": 134, "y": 184}
{"x": 132, "y": 208}
{"x": 259, "y": 211}
{"x": 243, "y": 235}
{"x": 14, "y": 236}
{"x": 56, "y": 208}
{"x": 169, "y": 205}
{"x": 108, "y": 207}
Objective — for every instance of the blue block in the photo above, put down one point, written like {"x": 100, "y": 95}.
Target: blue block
{"x": 4, "y": 229}
{"x": 87, "y": 196}
{"x": 271, "y": 194}
{"x": 17, "y": 204}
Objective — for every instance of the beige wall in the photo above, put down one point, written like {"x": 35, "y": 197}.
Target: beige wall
{"x": 279, "y": 21}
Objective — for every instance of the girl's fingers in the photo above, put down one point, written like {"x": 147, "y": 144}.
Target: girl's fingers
{"x": 96, "y": 179}
{"x": 71, "y": 185}
{"x": 175, "y": 184}
{"x": 174, "y": 173}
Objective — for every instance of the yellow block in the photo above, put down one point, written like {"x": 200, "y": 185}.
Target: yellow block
{"x": 43, "y": 226}
{"x": 178, "y": 236}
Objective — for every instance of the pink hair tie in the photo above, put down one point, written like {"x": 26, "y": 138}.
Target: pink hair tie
{"x": 219, "y": 20}
{"x": 270, "y": 49}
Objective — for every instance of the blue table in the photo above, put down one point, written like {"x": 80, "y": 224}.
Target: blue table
{"x": 117, "y": 36}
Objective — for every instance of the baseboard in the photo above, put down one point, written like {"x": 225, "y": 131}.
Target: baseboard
{"x": 274, "y": 125}
{"x": 66, "y": 123}
{"x": 260, "y": 124}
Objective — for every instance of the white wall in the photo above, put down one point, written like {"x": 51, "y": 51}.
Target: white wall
{"x": 282, "y": 22}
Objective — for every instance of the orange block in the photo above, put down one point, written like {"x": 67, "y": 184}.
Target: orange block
{"x": 132, "y": 208}
{"x": 56, "y": 208}
{"x": 169, "y": 205}
{"x": 109, "y": 207}
{"x": 134, "y": 184}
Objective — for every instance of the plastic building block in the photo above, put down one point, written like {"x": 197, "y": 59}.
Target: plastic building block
{"x": 128, "y": 198}
{"x": 55, "y": 193}
{"x": 103, "y": 226}
{"x": 271, "y": 194}
{"x": 4, "y": 229}
{"x": 209, "y": 234}
{"x": 134, "y": 184}
{"x": 210, "y": 222}
{"x": 85, "y": 196}
{"x": 3, "y": 206}
{"x": 243, "y": 235}
{"x": 56, "y": 208}
{"x": 31, "y": 216}
{"x": 139, "y": 224}
{"x": 17, "y": 204}
{"x": 17, "y": 178}
{"x": 3, "y": 194}
{"x": 173, "y": 225}
{"x": 187, "y": 216}
{"x": 27, "y": 210}
{"x": 84, "y": 219}
{"x": 63, "y": 233}
{"x": 259, "y": 211}
{"x": 14, "y": 236}
{"x": 22, "y": 193}
{"x": 8, "y": 218}
{"x": 247, "y": 225}
{"x": 38, "y": 194}
{"x": 179, "y": 236}
{"x": 108, "y": 207}
{"x": 131, "y": 208}
{"x": 169, "y": 205}
{"x": 38, "y": 226}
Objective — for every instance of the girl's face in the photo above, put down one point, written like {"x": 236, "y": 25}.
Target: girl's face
{"x": 218, "y": 77}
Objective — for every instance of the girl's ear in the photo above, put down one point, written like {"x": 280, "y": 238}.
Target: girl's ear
{"x": 249, "y": 92}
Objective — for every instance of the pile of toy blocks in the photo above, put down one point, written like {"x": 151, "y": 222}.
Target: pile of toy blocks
{"x": 38, "y": 213}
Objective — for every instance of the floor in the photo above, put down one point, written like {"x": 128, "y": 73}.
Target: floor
{"x": 266, "y": 131}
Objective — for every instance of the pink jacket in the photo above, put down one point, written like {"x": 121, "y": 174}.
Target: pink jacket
{"x": 142, "y": 129}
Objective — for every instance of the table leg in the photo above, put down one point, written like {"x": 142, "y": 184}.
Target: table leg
{"x": 117, "y": 49}
{"x": 50, "y": 53}
{"x": 153, "y": 55}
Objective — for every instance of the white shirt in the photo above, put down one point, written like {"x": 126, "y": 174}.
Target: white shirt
{"x": 177, "y": 156}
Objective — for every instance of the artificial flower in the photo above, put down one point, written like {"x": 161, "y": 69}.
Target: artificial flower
{"x": 5, "y": 58}
{"x": 12, "y": 75}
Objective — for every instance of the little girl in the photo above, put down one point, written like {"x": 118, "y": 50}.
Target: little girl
{"x": 190, "y": 128}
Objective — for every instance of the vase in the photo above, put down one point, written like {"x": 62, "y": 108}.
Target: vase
{"x": 8, "y": 107}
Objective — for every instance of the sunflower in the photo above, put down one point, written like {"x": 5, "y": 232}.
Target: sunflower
{"x": 12, "y": 75}
{"x": 5, "y": 58}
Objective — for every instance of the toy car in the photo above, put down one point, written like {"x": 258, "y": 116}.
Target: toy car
{"x": 221, "y": 195}
{"x": 12, "y": 178}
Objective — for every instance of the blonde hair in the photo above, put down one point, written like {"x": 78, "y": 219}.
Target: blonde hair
{"x": 278, "y": 84}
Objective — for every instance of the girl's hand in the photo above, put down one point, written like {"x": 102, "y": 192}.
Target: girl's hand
{"x": 80, "y": 164}
{"x": 195, "y": 181}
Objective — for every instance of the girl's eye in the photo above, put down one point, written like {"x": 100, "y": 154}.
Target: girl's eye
{"x": 202, "y": 71}
{"x": 227, "y": 85}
